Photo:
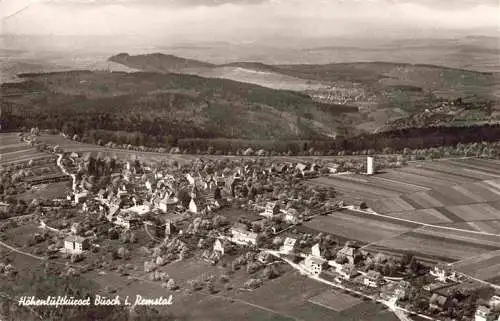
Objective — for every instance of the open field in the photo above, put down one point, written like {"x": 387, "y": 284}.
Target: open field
{"x": 364, "y": 228}
{"x": 433, "y": 192}
{"x": 484, "y": 267}
{"x": 45, "y": 191}
{"x": 443, "y": 243}
{"x": 284, "y": 298}
{"x": 335, "y": 300}
{"x": 23, "y": 155}
{"x": 14, "y": 151}
{"x": 444, "y": 210}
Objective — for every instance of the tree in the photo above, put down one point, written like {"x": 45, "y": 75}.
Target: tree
{"x": 171, "y": 285}
{"x": 270, "y": 272}
{"x": 253, "y": 283}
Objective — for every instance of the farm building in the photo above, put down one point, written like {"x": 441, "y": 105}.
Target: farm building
{"x": 241, "y": 235}
{"x": 76, "y": 244}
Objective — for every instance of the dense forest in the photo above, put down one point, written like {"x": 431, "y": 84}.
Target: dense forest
{"x": 157, "y": 109}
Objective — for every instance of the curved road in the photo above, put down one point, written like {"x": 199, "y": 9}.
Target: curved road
{"x": 63, "y": 169}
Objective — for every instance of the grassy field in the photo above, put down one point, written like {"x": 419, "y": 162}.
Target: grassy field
{"x": 461, "y": 194}
{"x": 45, "y": 191}
{"x": 485, "y": 266}
{"x": 13, "y": 151}
{"x": 448, "y": 245}
{"x": 360, "y": 227}
{"x": 335, "y": 300}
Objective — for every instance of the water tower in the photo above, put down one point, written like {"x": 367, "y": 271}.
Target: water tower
{"x": 370, "y": 165}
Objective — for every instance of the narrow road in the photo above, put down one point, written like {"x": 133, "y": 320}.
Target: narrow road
{"x": 63, "y": 169}
{"x": 22, "y": 252}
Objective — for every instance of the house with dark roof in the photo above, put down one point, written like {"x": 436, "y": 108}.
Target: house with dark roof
{"x": 348, "y": 271}
{"x": 438, "y": 302}
{"x": 351, "y": 252}
{"x": 271, "y": 210}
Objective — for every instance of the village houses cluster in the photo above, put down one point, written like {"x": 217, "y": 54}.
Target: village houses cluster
{"x": 218, "y": 207}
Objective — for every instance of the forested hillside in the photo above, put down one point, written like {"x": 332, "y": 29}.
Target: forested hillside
{"x": 157, "y": 109}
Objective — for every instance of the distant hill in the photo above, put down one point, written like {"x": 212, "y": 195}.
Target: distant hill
{"x": 152, "y": 108}
{"x": 158, "y": 62}
{"x": 383, "y": 91}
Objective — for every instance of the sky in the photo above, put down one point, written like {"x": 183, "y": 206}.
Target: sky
{"x": 245, "y": 20}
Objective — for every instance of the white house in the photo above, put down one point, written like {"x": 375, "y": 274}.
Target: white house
{"x": 80, "y": 197}
{"x": 484, "y": 313}
{"x": 288, "y": 245}
{"x": 495, "y": 302}
{"x": 316, "y": 251}
{"x": 314, "y": 264}
{"x": 75, "y": 244}
{"x": 139, "y": 209}
{"x": 196, "y": 206}
{"x": 218, "y": 247}
{"x": 241, "y": 235}
{"x": 301, "y": 167}
{"x": 337, "y": 266}
{"x": 126, "y": 220}
{"x": 332, "y": 168}
{"x": 271, "y": 210}
{"x": 170, "y": 228}
{"x": 291, "y": 216}
{"x": 149, "y": 186}
{"x": 443, "y": 272}
{"x": 166, "y": 201}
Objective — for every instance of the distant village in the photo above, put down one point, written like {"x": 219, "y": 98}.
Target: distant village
{"x": 240, "y": 214}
